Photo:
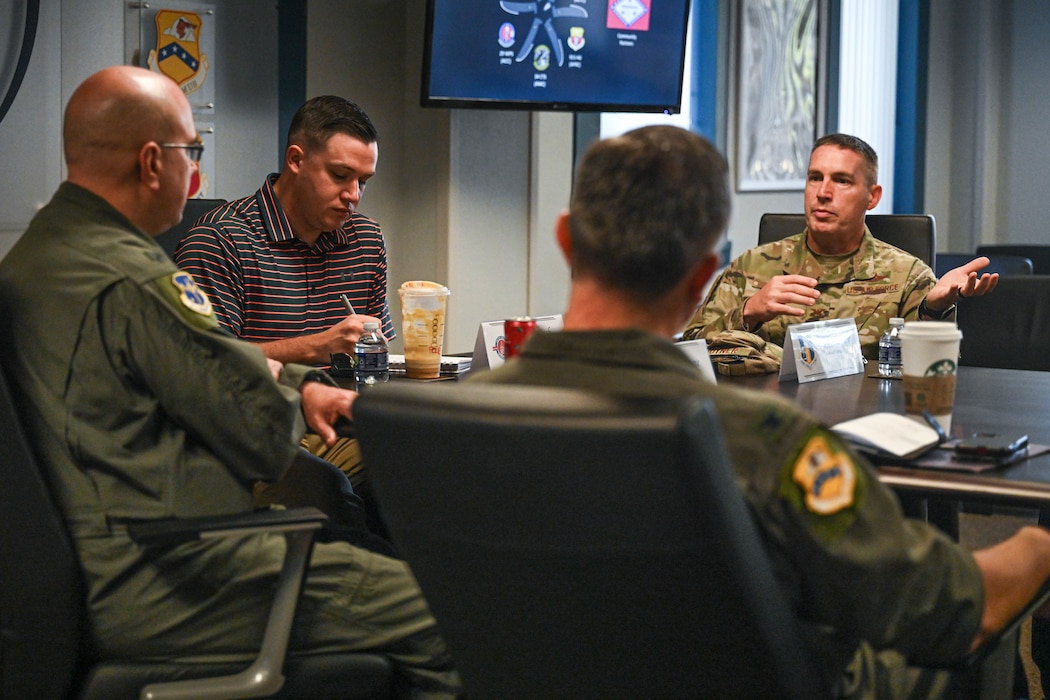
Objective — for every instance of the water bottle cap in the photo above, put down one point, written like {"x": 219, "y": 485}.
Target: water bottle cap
{"x": 895, "y": 321}
{"x": 371, "y": 326}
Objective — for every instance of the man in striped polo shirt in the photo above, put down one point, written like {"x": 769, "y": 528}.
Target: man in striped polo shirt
{"x": 276, "y": 263}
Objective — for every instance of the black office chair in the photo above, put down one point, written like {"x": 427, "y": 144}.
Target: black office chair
{"x": 1038, "y": 254}
{"x": 195, "y": 209}
{"x": 44, "y": 648}
{"x": 570, "y": 546}
{"x": 1009, "y": 328}
{"x": 914, "y": 233}
{"x": 1003, "y": 264}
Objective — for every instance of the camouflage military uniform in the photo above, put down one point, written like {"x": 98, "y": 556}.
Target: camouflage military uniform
{"x": 872, "y": 285}
{"x": 141, "y": 408}
{"x": 859, "y": 574}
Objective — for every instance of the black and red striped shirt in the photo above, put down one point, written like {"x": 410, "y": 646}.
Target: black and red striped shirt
{"x": 266, "y": 284}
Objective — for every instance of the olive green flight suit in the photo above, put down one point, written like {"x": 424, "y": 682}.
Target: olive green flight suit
{"x": 859, "y": 575}
{"x": 141, "y": 408}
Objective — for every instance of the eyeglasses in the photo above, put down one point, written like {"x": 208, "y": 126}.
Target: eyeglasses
{"x": 194, "y": 150}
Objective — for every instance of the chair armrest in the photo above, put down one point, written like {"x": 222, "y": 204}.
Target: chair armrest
{"x": 172, "y": 531}
{"x": 987, "y": 673}
{"x": 989, "y": 645}
{"x": 264, "y": 676}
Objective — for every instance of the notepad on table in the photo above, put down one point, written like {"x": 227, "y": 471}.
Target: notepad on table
{"x": 889, "y": 433}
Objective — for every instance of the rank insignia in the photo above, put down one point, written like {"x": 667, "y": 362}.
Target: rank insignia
{"x": 826, "y": 477}
{"x": 191, "y": 296}
{"x": 178, "y": 53}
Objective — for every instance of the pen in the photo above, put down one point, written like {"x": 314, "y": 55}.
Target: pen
{"x": 348, "y": 305}
{"x": 935, "y": 424}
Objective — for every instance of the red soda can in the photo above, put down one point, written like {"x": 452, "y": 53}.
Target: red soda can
{"x": 516, "y": 331}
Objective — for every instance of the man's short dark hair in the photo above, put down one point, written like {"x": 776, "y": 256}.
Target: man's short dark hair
{"x": 858, "y": 146}
{"x": 646, "y": 207}
{"x": 321, "y": 117}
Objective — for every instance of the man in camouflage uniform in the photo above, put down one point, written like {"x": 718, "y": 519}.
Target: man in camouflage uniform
{"x": 875, "y": 591}
{"x": 834, "y": 268}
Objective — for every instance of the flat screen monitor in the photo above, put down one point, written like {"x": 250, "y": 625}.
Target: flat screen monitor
{"x": 556, "y": 55}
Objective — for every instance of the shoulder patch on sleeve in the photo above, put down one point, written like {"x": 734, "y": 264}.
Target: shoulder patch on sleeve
{"x": 191, "y": 296}
{"x": 189, "y": 302}
{"x": 826, "y": 476}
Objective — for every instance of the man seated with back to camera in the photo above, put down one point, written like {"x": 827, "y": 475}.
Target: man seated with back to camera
{"x": 834, "y": 268}
{"x": 142, "y": 408}
{"x": 277, "y": 263}
{"x": 879, "y": 594}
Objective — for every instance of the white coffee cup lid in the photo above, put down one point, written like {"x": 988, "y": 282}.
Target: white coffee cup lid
{"x": 933, "y": 330}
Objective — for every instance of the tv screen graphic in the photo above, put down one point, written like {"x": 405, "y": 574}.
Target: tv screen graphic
{"x": 559, "y": 55}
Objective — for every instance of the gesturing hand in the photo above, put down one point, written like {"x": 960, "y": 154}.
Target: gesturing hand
{"x": 961, "y": 281}
{"x": 780, "y": 296}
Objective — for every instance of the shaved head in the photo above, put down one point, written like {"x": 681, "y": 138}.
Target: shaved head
{"x": 115, "y": 123}
{"x": 114, "y": 112}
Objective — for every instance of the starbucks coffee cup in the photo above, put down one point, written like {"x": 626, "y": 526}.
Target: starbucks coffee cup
{"x": 929, "y": 362}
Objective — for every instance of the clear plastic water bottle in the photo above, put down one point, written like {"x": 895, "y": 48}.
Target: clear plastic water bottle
{"x": 371, "y": 358}
{"x": 890, "y": 349}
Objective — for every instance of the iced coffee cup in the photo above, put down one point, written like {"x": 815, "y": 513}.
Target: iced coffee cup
{"x": 929, "y": 357}
{"x": 423, "y": 308}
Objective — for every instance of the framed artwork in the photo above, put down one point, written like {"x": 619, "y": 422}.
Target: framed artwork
{"x": 777, "y": 93}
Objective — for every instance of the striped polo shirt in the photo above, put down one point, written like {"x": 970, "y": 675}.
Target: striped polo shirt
{"x": 266, "y": 284}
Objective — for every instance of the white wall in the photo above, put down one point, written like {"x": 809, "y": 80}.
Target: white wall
{"x": 29, "y": 134}
{"x": 467, "y": 198}
{"x": 987, "y": 144}
{"x": 77, "y": 38}
{"x": 1025, "y": 142}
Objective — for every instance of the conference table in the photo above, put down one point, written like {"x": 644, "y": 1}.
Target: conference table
{"x": 986, "y": 400}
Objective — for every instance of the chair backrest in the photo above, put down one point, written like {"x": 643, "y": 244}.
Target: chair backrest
{"x": 195, "y": 209}
{"x": 1003, "y": 264}
{"x": 1038, "y": 254}
{"x": 571, "y": 545}
{"x": 41, "y": 596}
{"x": 1009, "y": 328}
{"x": 914, "y": 233}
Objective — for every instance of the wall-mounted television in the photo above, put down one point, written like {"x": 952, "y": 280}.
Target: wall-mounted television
{"x": 557, "y": 55}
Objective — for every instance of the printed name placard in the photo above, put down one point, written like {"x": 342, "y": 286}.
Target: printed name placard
{"x": 697, "y": 352}
{"x": 490, "y": 346}
{"x": 821, "y": 350}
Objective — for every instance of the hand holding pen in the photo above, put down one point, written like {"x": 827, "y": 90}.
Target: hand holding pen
{"x": 350, "y": 310}
{"x": 343, "y": 362}
{"x": 348, "y": 305}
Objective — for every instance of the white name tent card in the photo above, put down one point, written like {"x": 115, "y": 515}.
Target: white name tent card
{"x": 697, "y": 352}
{"x": 821, "y": 350}
{"x": 490, "y": 346}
